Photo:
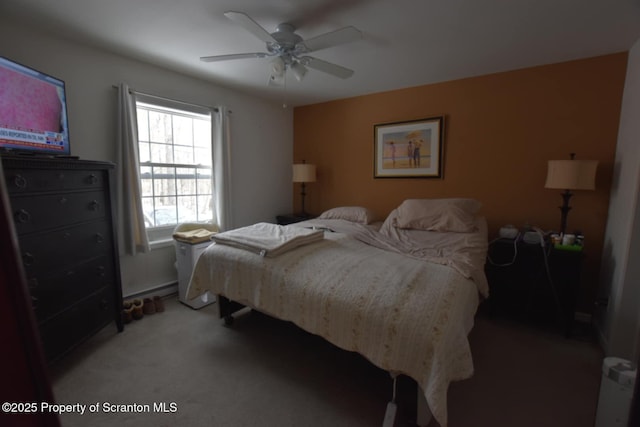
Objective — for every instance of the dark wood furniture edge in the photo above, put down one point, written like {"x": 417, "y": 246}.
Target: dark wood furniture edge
{"x": 34, "y": 383}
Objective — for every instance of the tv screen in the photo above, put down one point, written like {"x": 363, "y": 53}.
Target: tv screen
{"x": 33, "y": 111}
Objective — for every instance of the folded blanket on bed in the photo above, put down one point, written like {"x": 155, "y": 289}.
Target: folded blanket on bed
{"x": 268, "y": 239}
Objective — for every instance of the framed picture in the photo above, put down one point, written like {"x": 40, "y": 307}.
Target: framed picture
{"x": 411, "y": 149}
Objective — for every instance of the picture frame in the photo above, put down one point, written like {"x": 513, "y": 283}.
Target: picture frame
{"x": 409, "y": 149}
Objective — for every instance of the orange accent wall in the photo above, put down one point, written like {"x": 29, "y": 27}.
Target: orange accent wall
{"x": 500, "y": 130}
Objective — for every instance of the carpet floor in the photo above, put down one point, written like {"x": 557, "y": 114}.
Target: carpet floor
{"x": 183, "y": 368}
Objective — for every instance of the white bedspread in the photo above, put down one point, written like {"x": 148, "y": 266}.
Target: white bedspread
{"x": 404, "y": 314}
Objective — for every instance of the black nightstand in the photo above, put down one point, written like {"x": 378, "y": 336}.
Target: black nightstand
{"x": 292, "y": 218}
{"x": 533, "y": 282}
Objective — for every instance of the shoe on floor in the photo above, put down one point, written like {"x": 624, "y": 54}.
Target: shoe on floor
{"x": 127, "y": 311}
{"x": 137, "y": 312}
{"x": 149, "y": 306}
{"x": 157, "y": 301}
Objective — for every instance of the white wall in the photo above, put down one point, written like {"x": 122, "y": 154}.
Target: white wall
{"x": 619, "y": 321}
{"x": 262, "y": 132}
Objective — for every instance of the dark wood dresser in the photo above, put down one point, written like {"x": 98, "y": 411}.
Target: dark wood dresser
{"x": 63, "y": 212}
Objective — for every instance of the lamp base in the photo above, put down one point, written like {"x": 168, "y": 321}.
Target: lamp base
{"x": 302, "y": 194}
{"x": 564, "y": 211}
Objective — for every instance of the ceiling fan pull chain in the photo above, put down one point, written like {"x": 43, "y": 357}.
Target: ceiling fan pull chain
{"x": 284, "y": 90}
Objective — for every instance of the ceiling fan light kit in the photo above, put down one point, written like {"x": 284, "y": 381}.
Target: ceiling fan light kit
{"x": 289, "y": 50}
{"x": 278, "y": 66}
{"x": 298, "y": 71}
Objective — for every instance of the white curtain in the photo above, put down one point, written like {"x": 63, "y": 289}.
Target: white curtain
{"x": 132, "y": 234}
{"x": 221, "y": 140}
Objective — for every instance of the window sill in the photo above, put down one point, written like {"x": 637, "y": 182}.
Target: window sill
{"x": 160, "y": 244}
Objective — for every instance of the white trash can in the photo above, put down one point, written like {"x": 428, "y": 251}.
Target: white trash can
{"x": 188, "y": 250}
{"x": 616, "y": 391}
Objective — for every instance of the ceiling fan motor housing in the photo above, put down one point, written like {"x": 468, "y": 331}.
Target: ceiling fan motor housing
{"x": 288, "y": 42}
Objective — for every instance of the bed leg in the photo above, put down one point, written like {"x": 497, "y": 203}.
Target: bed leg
{"x": 226, "y": 308}
{"x": 423, "y": 413}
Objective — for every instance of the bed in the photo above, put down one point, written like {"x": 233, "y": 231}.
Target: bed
{"x": 402, "y": 294}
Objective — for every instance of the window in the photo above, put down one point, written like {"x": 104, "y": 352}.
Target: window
{"x": 175, "y": 167}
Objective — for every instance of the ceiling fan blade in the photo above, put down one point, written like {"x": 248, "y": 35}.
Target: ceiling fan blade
{"x": 250, "y": 25}
{"x": 333, "y": 38}
{"x": 326, "y": 67}
{"x": 216, "y": 58}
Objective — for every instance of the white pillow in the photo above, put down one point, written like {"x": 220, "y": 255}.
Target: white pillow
{"x": 349, "y": 213}
{"x": 456, "y": 214}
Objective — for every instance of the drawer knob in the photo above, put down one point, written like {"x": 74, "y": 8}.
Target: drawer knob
{"x": 22, "y": 216}
{"x": 100, "y": 270}
{"x": 66, "y": 235}
{"x": 63, "y": 200}
{"x": 92, "y": 179}
{"x": 94, "y": 205}
{"x": 28, "y": 259}
{"x": 20, "y": 181}
{"x": 99, "y": 238}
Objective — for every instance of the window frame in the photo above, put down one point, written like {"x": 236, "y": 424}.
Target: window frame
{"x": 174, "y": 109}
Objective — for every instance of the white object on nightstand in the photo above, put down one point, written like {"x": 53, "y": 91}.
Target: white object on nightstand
{"x": 186, "y": 256}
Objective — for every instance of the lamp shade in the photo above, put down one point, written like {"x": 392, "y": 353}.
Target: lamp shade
{"x": 304, "y": 172}
{"x": 572, "y": 174}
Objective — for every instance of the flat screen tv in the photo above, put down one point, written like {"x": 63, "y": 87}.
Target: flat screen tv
{"x": 33, "y": 111}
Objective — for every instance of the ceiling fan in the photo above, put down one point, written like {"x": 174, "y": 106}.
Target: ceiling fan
{"x": 289, "y": 50}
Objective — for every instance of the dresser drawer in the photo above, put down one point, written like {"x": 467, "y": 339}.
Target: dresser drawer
{"x": 46, "y": 252}
{"x": 31, "y": 213}
{"x": 51, "y": 293}
{"x": 77, "y": 323}
{"x": 38, "y": 180}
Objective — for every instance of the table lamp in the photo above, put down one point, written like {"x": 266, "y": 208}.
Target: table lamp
{"x": 570, "y": 175}
{"x": 303, "y": 173}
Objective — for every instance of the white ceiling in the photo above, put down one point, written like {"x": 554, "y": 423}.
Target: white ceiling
{"x": 405, "y": 42}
